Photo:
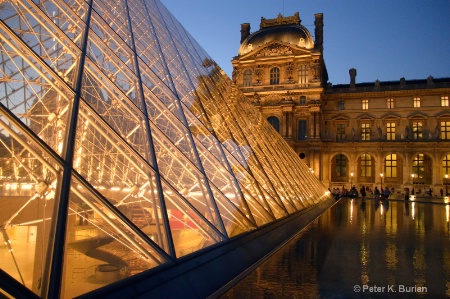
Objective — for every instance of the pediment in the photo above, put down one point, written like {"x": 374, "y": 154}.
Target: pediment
{"x": 417, "y": 116}
{"x": 340, "y": 119}
{"x": 275, "y": 49}
{"x": 271, "y": 99}
{"x": 365, "y": 117}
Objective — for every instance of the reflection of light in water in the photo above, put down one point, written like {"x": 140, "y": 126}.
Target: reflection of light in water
{"x": 351, "y": 210}
{"x": 381, "y": 210}
{"x": 413, "y": 209}
{"x": 447, "y": 208}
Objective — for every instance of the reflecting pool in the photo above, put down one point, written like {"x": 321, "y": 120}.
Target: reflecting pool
{"x": 360, "y": 249}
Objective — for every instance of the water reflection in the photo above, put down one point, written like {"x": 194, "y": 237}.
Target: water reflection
{"x": 360, "y": 249}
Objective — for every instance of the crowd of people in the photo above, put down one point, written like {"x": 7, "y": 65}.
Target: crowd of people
{"x": 353, "y": 192}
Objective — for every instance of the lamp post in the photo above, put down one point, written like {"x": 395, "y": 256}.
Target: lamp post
{"x": 413, "y": 175}
{"x": 446, "y": 184}
{"x": 381, "y": 175}
{"x": 351, "y": 180}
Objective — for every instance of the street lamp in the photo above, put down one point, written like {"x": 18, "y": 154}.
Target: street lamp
{"x": 446, "y": 184}
{"x": 351, "y": 180}
{"x": 381, "y": 175}
{"x": 413, "y": 175}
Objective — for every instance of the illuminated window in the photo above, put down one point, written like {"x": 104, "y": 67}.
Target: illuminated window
{"x": 303, "y": 74}
{"x": 445, "y": 130}
{"x": 248, "y": 78}
{"x": 390, "y": 131}
{"x": 366, "y": 166}
{"x": 301, "y": 130}
{"x": 416, "y": 102}
{"x": 446, "y": 165}
{"x": 302, "y": 100}
{"x": 341, "y": 165}
{"x": 365, "y": 104}
{"x": 274, "y": 76}
{"x": 275, "y": 122}
{"x": 417, "y": 129}
{"x": 418, "y": 166}
{"x": 365, "y": 131}
{"x": 340, "y": 132}
{"x": 391, "y": 166}
{"x": 390, "y": 103}
{"x": 444, "y": 101}
{"x": 341, "y": 105}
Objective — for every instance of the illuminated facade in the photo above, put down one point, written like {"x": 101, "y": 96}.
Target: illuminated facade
{"x": 123, "y": 147}
{"x": 396, "y": 133}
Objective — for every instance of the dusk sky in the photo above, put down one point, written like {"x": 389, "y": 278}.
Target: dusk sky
{"x": 383, "y": 39}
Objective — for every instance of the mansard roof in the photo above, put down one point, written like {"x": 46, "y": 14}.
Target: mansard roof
{"x": 296, "y": 35}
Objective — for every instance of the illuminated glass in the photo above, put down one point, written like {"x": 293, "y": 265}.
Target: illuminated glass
{"x": 366, "y": 166}
{"x": 123, "y": 146}
{"x": 390, "y": 131}
{"x": 365, "y": 131}
{"x": 391, "y": 166}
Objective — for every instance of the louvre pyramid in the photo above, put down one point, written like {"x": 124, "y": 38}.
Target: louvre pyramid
{"x": 124, "y": 146}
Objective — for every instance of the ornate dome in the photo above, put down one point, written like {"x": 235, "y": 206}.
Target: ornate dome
{"x": 296, "y": 35}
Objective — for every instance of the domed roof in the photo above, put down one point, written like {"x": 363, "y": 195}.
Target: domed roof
{"x": 296, "y": 35}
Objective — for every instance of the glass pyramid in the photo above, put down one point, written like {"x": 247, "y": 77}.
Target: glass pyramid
{"x": 124, "y": 146}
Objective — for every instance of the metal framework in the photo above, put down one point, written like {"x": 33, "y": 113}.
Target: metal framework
{"x": 123, "y": 146}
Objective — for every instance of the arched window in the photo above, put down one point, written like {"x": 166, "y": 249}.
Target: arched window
{"x": 247, "y": 78}
{"x": 391, "y": 166}
{"x": 421, "y": 169}
{"x": 446, "y": 165}
{"x": 366, "y": 166}
{"x": 274, "y": 76}
{"x": 275, "y": 122}
{"x": 341, "y": 165}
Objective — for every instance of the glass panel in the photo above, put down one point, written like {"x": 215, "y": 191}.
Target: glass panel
{"x": 28, "y": 184}
{"x": 101, "y": 245}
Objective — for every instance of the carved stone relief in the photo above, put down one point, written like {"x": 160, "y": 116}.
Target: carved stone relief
{"x": 274, "y": 50}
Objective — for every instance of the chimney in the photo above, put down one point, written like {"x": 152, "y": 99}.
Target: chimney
{"x": 352, "y": 73}
{"x": 245, "y": 31}
{"x": 318, "y": 31}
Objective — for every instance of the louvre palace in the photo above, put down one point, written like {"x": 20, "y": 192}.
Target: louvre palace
{"x": 369, "y": 134}
{"x": 125, "y": 149}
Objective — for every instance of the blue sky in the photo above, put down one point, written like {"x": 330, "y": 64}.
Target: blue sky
{"x": 383, "y": 39}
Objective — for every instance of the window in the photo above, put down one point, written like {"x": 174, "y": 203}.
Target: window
{"x": 421, "y": 168}
{"x": 365, "y": 104}
{"x": 416, "y": 102}
{"x": 418, "y": 166}
{"x": 391, "y": 166}
{"x": 302, "y": 100}
{"x": 390, "y": 131}
{"x": 248, "y": 78}
{"x": 274, "y": 76}
{"x": 341, "y": 105}
{"x": 301, "y": 130}
{"x": 341, "y": 165}
{"x": 275, "y": 122}
{"x": 365, "y": 131}
{"x": 366, "y": 166}
{"x": 417, "y": 127}
{"x": 445, "y": 130}
{"x": 446, "y": 165}
{"x": 340, "y": 132}
{"x": 390, "y": 103}
{"x": 444, "y": 101}
{"x": 303, "y": 74}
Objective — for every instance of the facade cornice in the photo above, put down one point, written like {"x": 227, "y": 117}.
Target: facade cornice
{"x": 388, "y": 93}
